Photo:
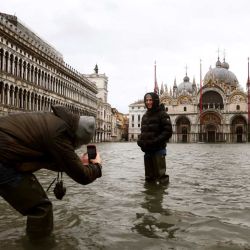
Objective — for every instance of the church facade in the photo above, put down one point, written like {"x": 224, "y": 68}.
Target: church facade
{"x": 217, "y": 111}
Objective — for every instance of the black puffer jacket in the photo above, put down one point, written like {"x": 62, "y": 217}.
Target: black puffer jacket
{"x": 156, "y": 127}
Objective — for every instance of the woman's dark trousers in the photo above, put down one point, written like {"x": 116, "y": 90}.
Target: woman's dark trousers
{"x": 155, "y": 167}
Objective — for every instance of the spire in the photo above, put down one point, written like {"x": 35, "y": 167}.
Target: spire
{"x": 186, "y": 78}
{"x": 171, "y": 94}
{"x": 194, "y": 83}
{"x": 166, "y": 88}
{"x": 175, "y": 85}
{"x": 175, "y": 89}
{"x": 225, "y": 65}
{"x": 156, "y": 88}
{"x": 218, "y": 63}
{"x": 200, "y": 88}
{"x": 162, "y": 89}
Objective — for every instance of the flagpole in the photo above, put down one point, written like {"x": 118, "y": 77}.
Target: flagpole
{"x": 248, "y": 99}
{"x": 156, "y": 89}
{"x": 201, "y": 139}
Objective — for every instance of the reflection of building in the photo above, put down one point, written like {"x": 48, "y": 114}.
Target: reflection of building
{"x": 220, "y": 116}
{"x": 33, "y": 75}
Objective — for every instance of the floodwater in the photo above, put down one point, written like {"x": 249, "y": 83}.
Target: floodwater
{"x": 205, "y": 206}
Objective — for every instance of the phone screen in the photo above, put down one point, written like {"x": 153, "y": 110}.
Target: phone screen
{"x": 91, "y": 150}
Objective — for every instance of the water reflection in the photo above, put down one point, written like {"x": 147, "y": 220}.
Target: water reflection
{"x": 157, "y": 221}
{"x": 43, "y": 243}
{"x": 54, "y": 241}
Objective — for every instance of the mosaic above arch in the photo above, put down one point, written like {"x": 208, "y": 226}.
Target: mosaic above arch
{"x": 215, "y": 86}
{"x": 185, "y": 100}
{"x": 238, "y": 98}
{"x": 210, "y": 118}
{"x": 166, "y": 100}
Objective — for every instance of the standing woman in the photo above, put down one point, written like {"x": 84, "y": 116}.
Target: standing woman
{"x": 156, "y": 130}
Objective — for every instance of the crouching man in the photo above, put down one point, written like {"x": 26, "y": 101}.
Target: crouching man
{"x": 31, "y": 141}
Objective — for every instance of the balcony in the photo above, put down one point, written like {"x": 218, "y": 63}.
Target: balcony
{"x": 212, "y": 106}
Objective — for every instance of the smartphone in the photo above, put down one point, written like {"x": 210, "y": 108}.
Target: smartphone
{"x": 91, "y": 150}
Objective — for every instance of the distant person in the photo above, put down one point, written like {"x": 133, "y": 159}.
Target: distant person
{"x": 31, "y": 141}
{"x": 156, "y": 130}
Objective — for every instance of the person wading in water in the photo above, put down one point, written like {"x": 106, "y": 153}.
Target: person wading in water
{"x": 156, "y": 130}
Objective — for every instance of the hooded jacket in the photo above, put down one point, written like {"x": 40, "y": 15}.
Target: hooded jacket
{"x": 46, "y": 139}
{"x": 156, "y": 127}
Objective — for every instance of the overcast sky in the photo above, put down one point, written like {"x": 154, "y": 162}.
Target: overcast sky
{"x": 125, "y": 38}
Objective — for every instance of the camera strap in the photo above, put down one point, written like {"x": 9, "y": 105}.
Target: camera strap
{"x": 58, "y": 179}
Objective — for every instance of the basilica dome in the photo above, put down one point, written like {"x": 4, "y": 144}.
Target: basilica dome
{"x": 186, "y": 85}
{"x": 221, "y": 74}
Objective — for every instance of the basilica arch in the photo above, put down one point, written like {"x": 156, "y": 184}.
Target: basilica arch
{"x": 211, "y": 99}
{"x": 211, "y": 128}
{"x": 183, "y": 127}
{"x": 238, "y": 127}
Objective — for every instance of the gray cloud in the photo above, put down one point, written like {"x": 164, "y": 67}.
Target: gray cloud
{"x": 126, "y": 37}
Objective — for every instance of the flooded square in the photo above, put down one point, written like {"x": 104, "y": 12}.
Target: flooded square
{"x": 205, "y": 206}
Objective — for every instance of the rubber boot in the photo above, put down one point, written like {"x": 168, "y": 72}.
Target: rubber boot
{"x": 164, "y": 180}
{"x": 159, "y": 165}
{"x": 27, "y": 196}
{"x": 149, "y": 168}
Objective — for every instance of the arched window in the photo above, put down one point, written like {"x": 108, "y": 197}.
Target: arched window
{"x": 1, "y": 58}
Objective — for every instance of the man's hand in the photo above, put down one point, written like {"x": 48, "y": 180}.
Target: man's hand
{"x": 97, "y": 160}
{"x": 85, "y": 159}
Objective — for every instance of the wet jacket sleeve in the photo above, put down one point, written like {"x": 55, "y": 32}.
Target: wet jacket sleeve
{"x": 62, "y": 151}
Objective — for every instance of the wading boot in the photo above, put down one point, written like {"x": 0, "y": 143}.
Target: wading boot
{"x": 159, "y": 165}
{"x": 160, "y": 169}
{"x": 164, "y": 180}
{"x": 149, "y": 168}
{"x": 27, "y": 196}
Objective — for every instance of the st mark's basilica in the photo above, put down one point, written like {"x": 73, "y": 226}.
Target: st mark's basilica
{"x": 217, "y": 111}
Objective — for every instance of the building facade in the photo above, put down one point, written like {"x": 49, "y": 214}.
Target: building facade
{"x": 136, "y": 111}
{"x": 104, "y": 113}
{"x": 120, "y": 126}
{"x": 34, "y": 76}
{"x": 217, "y": 111}
{"x": 111, "y": 125}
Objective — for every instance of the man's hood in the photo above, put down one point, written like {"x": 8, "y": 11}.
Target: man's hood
{"x": 85, "y": 130}
{"x": 81, "y": 127}
{"x": 70, "y": 118}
